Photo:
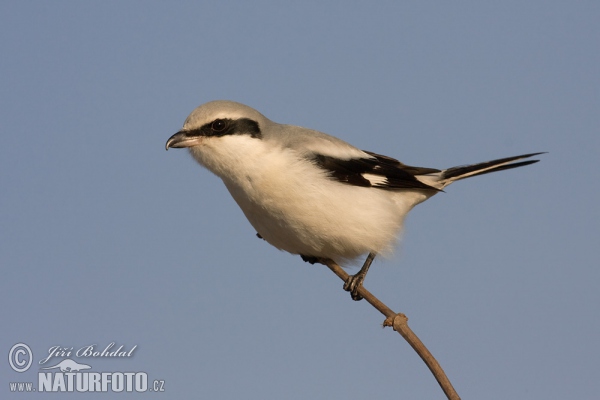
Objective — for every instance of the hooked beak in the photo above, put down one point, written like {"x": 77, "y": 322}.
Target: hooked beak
{"x": 183, "y": 139}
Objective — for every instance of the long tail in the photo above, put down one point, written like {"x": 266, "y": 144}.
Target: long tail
{"x": 466, "y": 171}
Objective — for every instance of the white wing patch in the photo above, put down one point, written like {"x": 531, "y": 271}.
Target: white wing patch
{"x": 376, "y": 180}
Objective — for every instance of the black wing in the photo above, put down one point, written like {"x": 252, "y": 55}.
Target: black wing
{"x": 356, "y": 171}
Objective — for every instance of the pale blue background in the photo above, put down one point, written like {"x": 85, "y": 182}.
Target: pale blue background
{"x": 106, "y": 237}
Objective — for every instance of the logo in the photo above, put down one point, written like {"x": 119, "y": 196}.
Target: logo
{"x": 69, "y": 366}
{"x": 70, "y": 369}
{"x": 20, "y": 357}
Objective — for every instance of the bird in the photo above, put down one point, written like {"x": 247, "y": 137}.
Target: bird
{"x": 309, "y": 193}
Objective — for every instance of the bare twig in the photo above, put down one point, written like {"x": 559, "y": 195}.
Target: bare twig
{"x": 400, "y": 325}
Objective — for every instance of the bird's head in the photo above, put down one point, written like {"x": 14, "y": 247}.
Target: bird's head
{"x": 217, "y": 119}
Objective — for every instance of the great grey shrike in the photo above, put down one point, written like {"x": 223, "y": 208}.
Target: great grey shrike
{"x": 310, "y": 193}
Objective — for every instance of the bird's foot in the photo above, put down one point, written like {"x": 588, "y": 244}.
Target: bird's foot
{"x": 353, "y": 283}
{"x": 310, "y": 259}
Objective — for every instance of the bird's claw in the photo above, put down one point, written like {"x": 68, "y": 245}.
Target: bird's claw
{"x": 310, "y": 259}
{"x": 352, "y": 284}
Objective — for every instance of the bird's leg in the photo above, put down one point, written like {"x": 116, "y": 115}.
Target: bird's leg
{"x": 355, "y": 281}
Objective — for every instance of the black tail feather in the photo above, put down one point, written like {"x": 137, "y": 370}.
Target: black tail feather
{"x": 501, "y": 164}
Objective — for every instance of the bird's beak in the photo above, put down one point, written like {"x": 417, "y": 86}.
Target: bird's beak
{"x": 183, "y": 139}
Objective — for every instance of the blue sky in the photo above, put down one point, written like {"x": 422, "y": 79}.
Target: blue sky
{"x": 108, "y": 238}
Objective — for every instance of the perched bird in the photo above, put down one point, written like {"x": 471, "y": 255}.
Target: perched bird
{"x": 310, "y": 193}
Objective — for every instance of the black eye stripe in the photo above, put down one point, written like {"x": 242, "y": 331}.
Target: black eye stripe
{"x": 225, "y": 126}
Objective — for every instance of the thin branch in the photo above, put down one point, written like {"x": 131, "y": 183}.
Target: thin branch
{"x": 400, "y": 324}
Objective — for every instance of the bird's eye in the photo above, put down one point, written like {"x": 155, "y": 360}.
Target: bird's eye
{"x": 218, "y": 125}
